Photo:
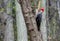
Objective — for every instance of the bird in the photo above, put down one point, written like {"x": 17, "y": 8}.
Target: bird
{"x": 39, "y": 18}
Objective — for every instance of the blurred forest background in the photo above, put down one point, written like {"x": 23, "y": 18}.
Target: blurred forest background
{"x": 17, "y": 20}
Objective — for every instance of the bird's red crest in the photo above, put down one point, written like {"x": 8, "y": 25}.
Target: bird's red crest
{"x": 41, "y": 9}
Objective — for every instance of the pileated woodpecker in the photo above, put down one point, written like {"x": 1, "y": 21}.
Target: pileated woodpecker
{"x": 39, "y": 18}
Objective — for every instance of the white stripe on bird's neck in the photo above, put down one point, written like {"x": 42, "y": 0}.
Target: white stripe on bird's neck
{"x": 39, "y": 12}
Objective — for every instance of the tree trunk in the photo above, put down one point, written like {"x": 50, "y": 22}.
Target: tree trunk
{"x": 30, "y": 20}
{"x": 43, "y": 24}
{"x": 21, "y": 26}
{"x": 53, "y": 18}
{"x": 9, "y": 31}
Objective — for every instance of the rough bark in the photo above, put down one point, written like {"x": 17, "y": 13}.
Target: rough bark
{"x": 30, "y": 20}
